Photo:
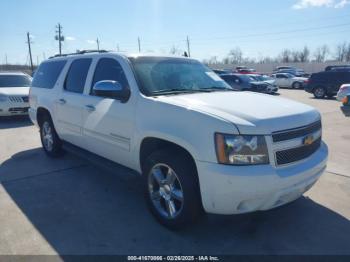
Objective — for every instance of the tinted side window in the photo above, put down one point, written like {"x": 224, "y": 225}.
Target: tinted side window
{"x": 77, "y": 74}
{"x": 109, "y": 69}
{"x": 347, "y": 77}
{"x": 47, "y": 74}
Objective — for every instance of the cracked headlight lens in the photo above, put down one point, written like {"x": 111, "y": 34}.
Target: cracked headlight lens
{"x": 241, "y": 150}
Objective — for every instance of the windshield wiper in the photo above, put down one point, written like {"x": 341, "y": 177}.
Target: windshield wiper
{"x": 189, "y": 91}
{"x": 215, "y": 88}
{"x": 172, "y": 91}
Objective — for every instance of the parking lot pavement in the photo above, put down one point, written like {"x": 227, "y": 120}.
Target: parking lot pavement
{"x": 67, "y": 206}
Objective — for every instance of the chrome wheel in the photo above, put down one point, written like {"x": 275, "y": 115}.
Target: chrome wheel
{"x": 320, "y": 92}
{"x": 165, "y": 191}
{"x": 47, "y": 136}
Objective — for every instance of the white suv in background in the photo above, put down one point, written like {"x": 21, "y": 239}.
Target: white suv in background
{"x": 14, "y": 93}
{"x": 198, "y": 144}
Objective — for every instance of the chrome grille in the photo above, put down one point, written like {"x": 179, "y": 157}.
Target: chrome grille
{"x": 297, "y": 153}
{"x": 296, "y": 132}
{"x": 16, "y": 99}
{"x": 297, "y": 137}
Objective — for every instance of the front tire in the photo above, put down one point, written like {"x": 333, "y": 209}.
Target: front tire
{"x": 296, "y": 85}
{"x": 172, "y": 189}
{"x": 50, "y": 141}
{"x": 319, "y": 92}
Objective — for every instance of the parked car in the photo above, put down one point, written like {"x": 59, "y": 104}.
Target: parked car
{"x": 338, "y": 68}
{"x": 327, "y": 83}
{"x": 196, "y": 144}
{"x": 220, "y": 71}
{"x": 264, "y": 78}
{"x": 289, "y": 81}
{"x": 346, "y": 100}
{"x": 277, "y": 69}
{"x": 344, "y": 91}
{"x": 242, "y": 82}
{"x": 14, "y": 92}
{"x": 247, "y": 71}
{"x": 295, "y": 72}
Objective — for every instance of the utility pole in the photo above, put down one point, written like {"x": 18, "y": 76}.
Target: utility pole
{"x": 188, "y": 47}
{"x": 30, "y": 51}
{"x": 6, "y": 59}
{"x": 118, "y": 50}
{"x": 139, "y": 42}
{"x": 98, "y": 44}
{"x": 59, "y": 37}
{"x": 37, "y": 60}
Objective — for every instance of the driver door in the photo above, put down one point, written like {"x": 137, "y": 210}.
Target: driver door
{"x": 108, "y": 123}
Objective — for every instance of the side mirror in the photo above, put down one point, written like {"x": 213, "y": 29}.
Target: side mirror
{"x": 111, "y": 89}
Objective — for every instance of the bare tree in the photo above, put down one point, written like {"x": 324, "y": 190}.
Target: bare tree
{"x": 340, "y": 52}
{"x": 304, "y": 55}
{"x": 295, "y": 56}
{"x": 285, "y": 56}
{"x": 226, "y": 60}
{"x": 235, "y": 56}
{"x": 321, "y": 53}
{"x": 347, "y": 53}
{"x": 175, "y": 51}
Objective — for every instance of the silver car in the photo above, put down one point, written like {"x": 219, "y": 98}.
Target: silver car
{"x": 344, "y": 91}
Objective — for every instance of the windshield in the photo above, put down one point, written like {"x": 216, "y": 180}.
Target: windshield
{"x": 14, "y": 81}
{"x": 161, "y": 75}
{"x": 247, "y": 78}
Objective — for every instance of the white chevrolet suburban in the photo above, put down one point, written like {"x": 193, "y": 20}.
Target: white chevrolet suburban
{"x": 14, "y": 92}
{"x": 199, "y": 145}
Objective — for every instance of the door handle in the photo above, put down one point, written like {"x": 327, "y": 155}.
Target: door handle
{"x": 62, "y": 101}
{"x": 90, "y": 108}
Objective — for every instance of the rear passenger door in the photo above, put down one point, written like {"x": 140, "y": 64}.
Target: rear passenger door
{"x": 108, "y": 124}
{"x": 69, "y": 105}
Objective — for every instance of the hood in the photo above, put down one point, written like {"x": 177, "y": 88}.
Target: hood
{"x": 259, "y": 83}
{"x": 251, "y": 113}
{"x": 270, "y": 82}
{"x": 14, "y": 91}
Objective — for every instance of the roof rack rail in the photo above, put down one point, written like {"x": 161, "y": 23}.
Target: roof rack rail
{"x": 79, "y": 52}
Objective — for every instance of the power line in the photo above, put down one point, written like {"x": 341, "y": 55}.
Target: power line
{"x": 188, "y": 47}
{"x": 59, "y": 37}
{"x": 30, "y": 51}
{"x": 98, "y": 44}
{"x": 275, "y": 33}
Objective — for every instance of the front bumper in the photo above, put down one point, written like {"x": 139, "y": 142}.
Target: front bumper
{"x": 227, "y": 189}
{"x": 13, "y": 109}
{"x": 32, "y": 116}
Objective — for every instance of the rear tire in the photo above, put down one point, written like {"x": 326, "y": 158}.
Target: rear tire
{"x": 319, "y": 92}
{"x": 172, "y": 189}
{"x": 50, "y": 141}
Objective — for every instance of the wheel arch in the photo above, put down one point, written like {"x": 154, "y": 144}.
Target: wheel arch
{"x": 151, "y": 144}
{"x": 40, "y": 113}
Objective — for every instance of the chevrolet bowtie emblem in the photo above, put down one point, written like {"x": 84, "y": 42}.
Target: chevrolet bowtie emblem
{"x": 308, "y": 140}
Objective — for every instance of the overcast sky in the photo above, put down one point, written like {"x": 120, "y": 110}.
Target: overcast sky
{"x": 258, "y": 27}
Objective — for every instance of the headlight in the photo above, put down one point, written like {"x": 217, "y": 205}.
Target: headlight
{"x": 241, "y": 150}
{"x": 3, "y": 98}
